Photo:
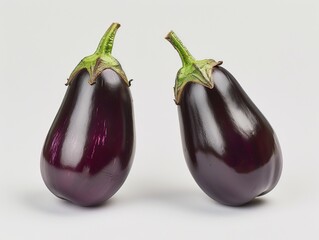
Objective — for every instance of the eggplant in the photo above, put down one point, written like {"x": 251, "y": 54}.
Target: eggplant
{"x": 230, "y": 148}
{"x": 89, "y": 149}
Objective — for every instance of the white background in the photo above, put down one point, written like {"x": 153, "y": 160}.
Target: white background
{"x": 271, "y": 47}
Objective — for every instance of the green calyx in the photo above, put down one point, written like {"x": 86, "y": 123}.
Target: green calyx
{"x": 101, "y": 59}
{"x": 196, "y": 71}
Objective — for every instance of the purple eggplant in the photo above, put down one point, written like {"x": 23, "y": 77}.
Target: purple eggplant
{"x": 89, "y": 149}
{"x": 230, "y": 148}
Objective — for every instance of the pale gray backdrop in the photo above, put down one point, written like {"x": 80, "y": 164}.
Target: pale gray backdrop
{"x": 271, "y": 47}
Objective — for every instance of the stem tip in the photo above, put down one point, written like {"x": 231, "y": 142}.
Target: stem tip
{"x": 168, "y": 35}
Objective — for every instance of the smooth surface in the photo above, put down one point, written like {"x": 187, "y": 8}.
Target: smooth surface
{"x": 89, "y": 149}
{"x": 271, "y": 47}
{"x": 230, "y": 148}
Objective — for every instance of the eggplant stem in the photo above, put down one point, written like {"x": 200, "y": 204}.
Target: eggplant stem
{"x": 106, "y": 44}
{"x": 185, "y": 55}
{"x": 196, "y": 71}
{"x": 101, "y": 59}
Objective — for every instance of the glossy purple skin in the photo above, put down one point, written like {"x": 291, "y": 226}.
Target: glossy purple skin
{"x": 230, "y": 148}
{"x": 89, "y": 149}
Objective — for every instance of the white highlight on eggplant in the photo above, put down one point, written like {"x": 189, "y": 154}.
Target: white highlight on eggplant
{"x": 207, "y": 126}
{"x": 75, "y": 139}
{"x": 243, "y": 119}
{"x": 100, "y": 136}
{"x": 112, "y": 78}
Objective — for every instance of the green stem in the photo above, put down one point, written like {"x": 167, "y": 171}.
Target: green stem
{"x": 193, "y": 71}
{"x": 106, "y": 43}
{"x": 185, "y": 55}
{"x": 101, "y": 59}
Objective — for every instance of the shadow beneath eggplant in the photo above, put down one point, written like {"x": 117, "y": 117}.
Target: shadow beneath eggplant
{"x": 255, "y": 203}
{"x": 189, "y": 200}
{"x": 45, "y": 202}
{"x": 197, "y": 201}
